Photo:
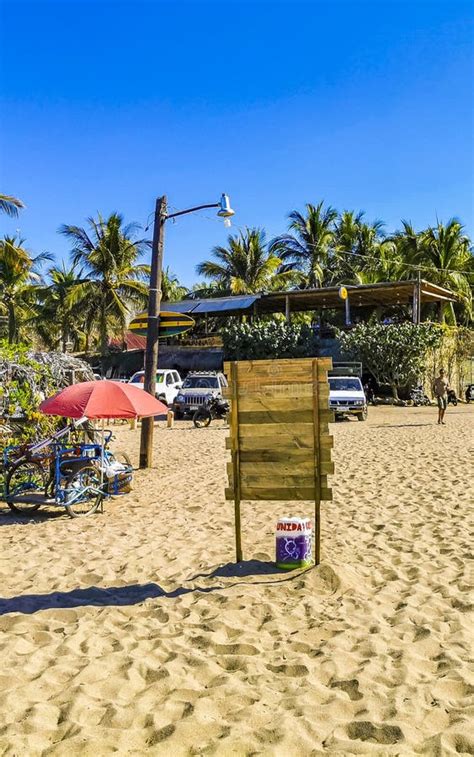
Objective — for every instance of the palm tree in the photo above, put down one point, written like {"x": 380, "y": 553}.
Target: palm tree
{"x": 447, "y": 256}
{"x": 10, "y": 205}
{"x": 308, "y": 248}
{"x": 62, "y": 312}
{"x": 19, "y": 282}
{"x": 245, "y": 266}
{"x": 171, "y": 289}
{"x": 114, "y": 286}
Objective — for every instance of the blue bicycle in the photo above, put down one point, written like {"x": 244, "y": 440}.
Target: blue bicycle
{"x": 75, "y": 476}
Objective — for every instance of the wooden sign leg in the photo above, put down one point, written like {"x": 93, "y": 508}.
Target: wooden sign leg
{"x": 234, "y": 426}
{"x": 238, "y": 533}
{"x": 317, "y": 467}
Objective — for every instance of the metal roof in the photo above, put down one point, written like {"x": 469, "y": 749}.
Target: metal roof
{"x": 216, "y": 305}
{"x": 384, "y": 293}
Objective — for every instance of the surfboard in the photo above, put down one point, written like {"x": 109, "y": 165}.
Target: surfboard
{"x": 171, "y": 324}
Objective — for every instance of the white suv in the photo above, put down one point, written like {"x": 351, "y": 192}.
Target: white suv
{"x": 168, "y": 384}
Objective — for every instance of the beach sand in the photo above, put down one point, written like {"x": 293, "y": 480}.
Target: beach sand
{"x": 134, "y": 632}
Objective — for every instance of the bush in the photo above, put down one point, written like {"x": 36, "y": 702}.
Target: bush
{"x": 266, "y": 340}
{"x": 395, "y": 354}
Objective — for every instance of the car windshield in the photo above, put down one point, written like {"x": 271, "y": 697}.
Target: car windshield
{"x": 344, "y": 385}
{"x": 201, "y": 382}
{"x": 139, "y": 378}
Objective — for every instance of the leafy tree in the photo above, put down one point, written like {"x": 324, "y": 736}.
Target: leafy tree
{"x": 10, "y": 205}
{"x": 19, "y": 282}
{"x": 108, "y": 253}
{"x": 395, "y": 354}
{"x": 267, "y": 340}
{"x": 308, "y": 246}
{"x": 245, "y": 266}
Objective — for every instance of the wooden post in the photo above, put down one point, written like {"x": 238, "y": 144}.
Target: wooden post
{"x": 348, "y": 311}
{"x": 170, "y": 419}
{"x": 133, "y": 424}
{"x": 317, "y": 466}
{"x": 287, "y": 309}
{"x": 151, "y": 352}
{"x": 234, "y": 426}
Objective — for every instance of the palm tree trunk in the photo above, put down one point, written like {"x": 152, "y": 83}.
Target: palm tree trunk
{"x": 11, "y": 323}
{"x": 103, "y": 328}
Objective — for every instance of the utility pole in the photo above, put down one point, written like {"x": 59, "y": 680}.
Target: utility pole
{"x": 154, "y": 303}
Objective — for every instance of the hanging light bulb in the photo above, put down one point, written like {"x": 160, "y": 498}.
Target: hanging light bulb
{"x": 227, "y": 223}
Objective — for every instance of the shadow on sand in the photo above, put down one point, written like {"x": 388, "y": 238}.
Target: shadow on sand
{"x": 122, "y": 596}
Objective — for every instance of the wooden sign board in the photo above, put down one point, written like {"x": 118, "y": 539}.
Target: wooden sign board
{"x": 279, "y": 435}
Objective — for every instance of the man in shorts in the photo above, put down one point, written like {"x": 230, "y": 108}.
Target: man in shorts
{"x": 440, "y": 390}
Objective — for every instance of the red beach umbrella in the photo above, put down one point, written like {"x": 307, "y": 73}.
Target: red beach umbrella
{"x": 102, "y": 399}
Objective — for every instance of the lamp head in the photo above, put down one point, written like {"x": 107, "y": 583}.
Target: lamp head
{"x": 225, "y": 211}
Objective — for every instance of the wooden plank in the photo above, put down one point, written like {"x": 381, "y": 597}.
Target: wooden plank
{"x": 257, "y": 378}
{"x": 251, "y": 403}
{"x": 285, "y": 363}
{"x": 281, "y": 445}
{"x": 295, "y": 456}
{"x": 280, "y": 494}
{"x": 295, "y": 417}
{"x": 274, "y": 481}
{"x": 263, "y": 391}
{"x": 287, "y": 430}
{"x": 281, "y": 468}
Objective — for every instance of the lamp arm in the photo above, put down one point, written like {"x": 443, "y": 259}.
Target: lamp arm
{"x": 192, "y": 210}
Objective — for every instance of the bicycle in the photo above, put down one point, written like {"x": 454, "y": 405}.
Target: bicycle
{"x": 49, "y": 473}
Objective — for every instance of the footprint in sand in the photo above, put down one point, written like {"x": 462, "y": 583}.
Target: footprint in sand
{"x": 351, "y": 688}
{"x": 364, "y": 730}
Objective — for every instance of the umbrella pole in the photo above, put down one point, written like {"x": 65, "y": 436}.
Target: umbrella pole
{"x": 102, "y": 457}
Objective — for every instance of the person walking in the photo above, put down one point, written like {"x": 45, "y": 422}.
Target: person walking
{"x": 440, "y": 391}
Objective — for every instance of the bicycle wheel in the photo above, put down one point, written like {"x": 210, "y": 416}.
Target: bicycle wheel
{"x": 27, "y": 478}
{"x": 119, "y": 457}
{"x": 83, "y": 493}
{"x": 202, "y": 418}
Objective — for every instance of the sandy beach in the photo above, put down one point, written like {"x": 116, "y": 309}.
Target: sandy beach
{"x": 134, "y": 632}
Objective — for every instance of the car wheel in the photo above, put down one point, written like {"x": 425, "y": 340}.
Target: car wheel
{"x": 362, "y": 416}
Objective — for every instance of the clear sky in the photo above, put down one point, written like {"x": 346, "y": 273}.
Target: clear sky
{"x": 106, "y": 105}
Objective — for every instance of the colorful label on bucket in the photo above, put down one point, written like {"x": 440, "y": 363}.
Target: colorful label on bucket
{"x": 294, "y": 543}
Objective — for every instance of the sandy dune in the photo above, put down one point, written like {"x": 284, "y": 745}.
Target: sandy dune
{"x": 134, "y": 632}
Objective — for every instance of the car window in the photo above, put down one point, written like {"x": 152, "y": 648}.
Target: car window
{"x": 176, "y": 376}
{"x": 345, "y": 385}
{"x": 138, "y": 378}
{"x": 169, "y": 379}
{"x": 201, "y": 382}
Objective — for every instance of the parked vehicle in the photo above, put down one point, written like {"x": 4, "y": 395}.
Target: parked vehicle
{"x": 347, "y": 397}
{"x": 168, "y": 384}
{"x": 418, "y": 397}
{"x": 197, "y": 388}
{"x": 452, "y": 399}
{"x": 469, "y": 395}
{"x": 214, "y": 407}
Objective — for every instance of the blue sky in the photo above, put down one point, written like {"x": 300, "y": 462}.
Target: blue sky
{"x": 106, "y": 105}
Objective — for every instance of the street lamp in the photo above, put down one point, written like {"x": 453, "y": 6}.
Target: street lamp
{"x": 154, "y": 300}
